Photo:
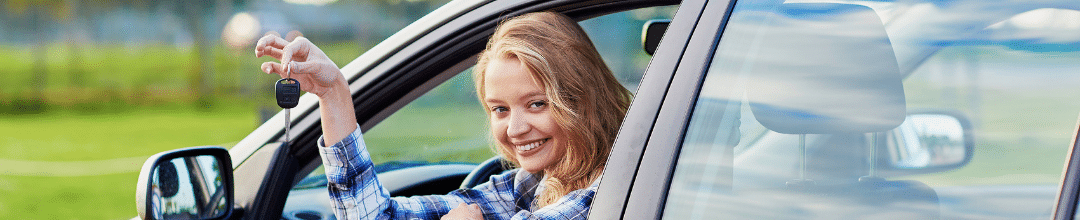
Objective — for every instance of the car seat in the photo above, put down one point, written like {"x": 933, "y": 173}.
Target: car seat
{"x": 851, "y": 90}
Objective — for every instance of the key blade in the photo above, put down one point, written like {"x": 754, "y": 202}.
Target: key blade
{"x": 288, "y": 124}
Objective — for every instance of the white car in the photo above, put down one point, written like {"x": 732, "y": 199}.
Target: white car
{"x": 883, "y": 109}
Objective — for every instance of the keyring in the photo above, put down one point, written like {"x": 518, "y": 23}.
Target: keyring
{"x": 288, "y": 70}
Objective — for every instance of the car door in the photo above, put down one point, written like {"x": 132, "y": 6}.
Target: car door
{"x": 728, "y": 133}
{"x": 382, "y": 81}
{"x": 670, "y": 77}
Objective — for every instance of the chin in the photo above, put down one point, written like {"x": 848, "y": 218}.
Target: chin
{"x": 530, "y": 167}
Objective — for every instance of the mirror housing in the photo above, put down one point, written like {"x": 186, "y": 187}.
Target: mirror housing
{"x": 188, "y": 183}
{"x": 651, "y": 34}
{"x": 926, "y": 142}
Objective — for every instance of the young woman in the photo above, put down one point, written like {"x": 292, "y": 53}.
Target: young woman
{"x": 554, "y": 109}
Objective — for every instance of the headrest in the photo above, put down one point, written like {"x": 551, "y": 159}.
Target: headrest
{"x": 825, "y": 68}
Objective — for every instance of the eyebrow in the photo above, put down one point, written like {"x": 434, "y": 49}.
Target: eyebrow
{"x": 534, "y": 94}
{"x": 527, "y": 96}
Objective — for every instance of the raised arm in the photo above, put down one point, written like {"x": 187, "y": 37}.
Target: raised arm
{"x": 317, "y": 74}
{"x": 353, "y": 186}
{"x": 355, "y": 189}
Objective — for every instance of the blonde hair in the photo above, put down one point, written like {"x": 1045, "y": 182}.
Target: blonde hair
{"x": 588, "y": 102}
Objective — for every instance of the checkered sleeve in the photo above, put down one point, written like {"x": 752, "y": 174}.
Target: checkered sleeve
{"x": 357, "y": 193}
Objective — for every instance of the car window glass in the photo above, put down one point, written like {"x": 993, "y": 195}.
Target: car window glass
{"x": 871, "y": 110}
{"x": 618, "y": 39}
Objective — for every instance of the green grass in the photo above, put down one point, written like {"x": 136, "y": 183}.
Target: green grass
{"x": 109, "y": 102}
{"x": 90, "y": 197}
{"x": 70, "y": 136}
{"x": 76, "y": 137}
{"x": 64, "y": 136}
{"x": 97, "y": 77}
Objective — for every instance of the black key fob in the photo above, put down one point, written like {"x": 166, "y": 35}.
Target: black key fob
{"x": 288, "y": 92}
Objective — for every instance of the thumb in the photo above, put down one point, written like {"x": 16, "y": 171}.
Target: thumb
{"x": 301, "y": 68}
{"x": 289, "y": 70}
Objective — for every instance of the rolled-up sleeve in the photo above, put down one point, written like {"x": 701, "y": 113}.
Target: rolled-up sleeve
{"x": 353, "y": 186}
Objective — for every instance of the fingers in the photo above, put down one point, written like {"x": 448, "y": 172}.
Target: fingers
{"x": 282, "y": 71}
{"x": 475, "y": 209}
{"x": 296, "y": 67}
{"x": 305, "y": 72}
{"x": 454, "y": 213}
{"x": 296, "y": 50}
{"x": 273, "y": 67}
{"x": 270, "y": 44}
{"x": 305, "y": 68}
{"x": 464, "y": 211}
{"x": 269, "y": 51}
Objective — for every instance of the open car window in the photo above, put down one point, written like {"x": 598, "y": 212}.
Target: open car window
{"x": 447, "y": 125}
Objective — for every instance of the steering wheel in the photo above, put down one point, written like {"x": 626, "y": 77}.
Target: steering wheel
{"x": 483, "y": 171}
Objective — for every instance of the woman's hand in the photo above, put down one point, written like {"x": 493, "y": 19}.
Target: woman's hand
{"x": 308, "y": 64}
{"x": 317, "y": 75}
{"x": 464, "y": 212}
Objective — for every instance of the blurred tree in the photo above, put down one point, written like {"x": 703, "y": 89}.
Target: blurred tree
{"x": 35, "y": 103}
{"x": 193, "y": 13}
{"x": 201, "y": 16}
{"x": 75, "y": 38}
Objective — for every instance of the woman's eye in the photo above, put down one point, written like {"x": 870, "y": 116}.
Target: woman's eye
{"x": 498, "y": 109}
{"x": 537, "y": 104}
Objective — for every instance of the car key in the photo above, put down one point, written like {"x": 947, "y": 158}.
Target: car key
{"x": 287, "y": 92}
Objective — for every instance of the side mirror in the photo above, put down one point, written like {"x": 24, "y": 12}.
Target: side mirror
{"x": 651, "y": 34}
{"x": 926, "y": 143}
{"x": 189, "y": 183}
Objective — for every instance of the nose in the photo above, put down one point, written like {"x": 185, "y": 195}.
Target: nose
{"x": 518, "y": 125}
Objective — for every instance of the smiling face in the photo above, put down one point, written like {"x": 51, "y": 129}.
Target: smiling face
{"x": 521, "y": 116}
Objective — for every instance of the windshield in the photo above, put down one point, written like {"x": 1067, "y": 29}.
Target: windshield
{"x": 881, "y": 109}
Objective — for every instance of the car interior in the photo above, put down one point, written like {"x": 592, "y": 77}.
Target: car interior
{"x": 836, "y": 174}
{"x": 817, "y": 148}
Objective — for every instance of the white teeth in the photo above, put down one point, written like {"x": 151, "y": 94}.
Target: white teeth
{"x": 530, "y": 146}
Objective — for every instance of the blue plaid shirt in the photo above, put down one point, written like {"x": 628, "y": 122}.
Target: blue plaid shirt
{"x": 357, "y": 193}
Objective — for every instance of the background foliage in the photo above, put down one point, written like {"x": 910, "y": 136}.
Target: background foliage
{"x": 90, "y": 89}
